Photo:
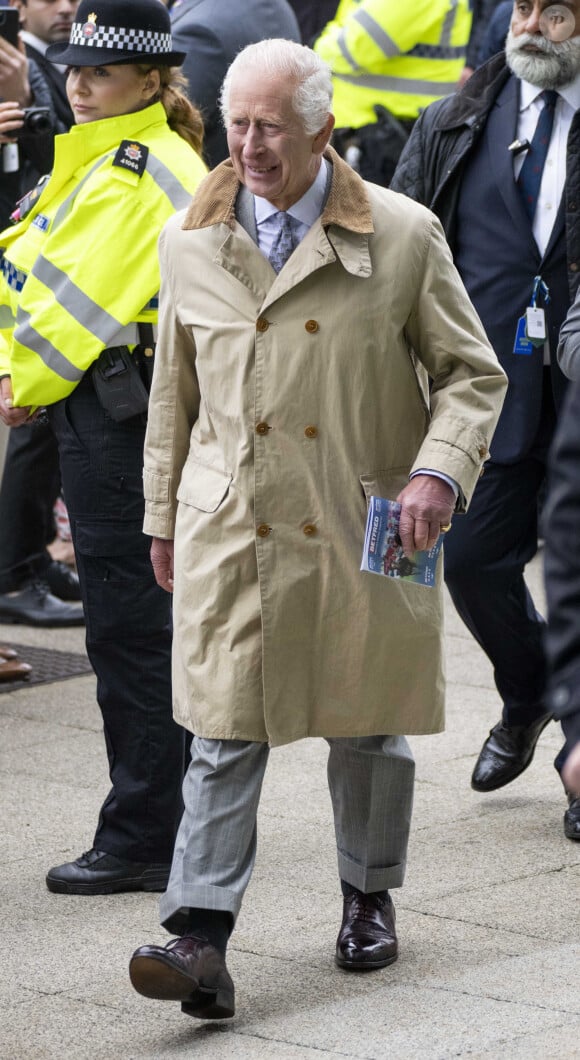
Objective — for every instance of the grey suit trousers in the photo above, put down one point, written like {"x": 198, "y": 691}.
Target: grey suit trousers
{"x": 371, "y": 787}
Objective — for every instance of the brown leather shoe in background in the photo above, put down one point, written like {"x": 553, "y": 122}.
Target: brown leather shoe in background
{"x": 367, "y": 936}
{"x": 188, "y": 969}
{"x": 14, "y": 670}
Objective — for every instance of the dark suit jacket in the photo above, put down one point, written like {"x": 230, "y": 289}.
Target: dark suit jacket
{"x": 562, "y": 569}
{"x": 447, "y": 138}
{"x": 212, "y": 35}
{"x": 57, "y": 85}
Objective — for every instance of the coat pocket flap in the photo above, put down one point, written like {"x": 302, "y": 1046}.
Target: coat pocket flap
{"x": 203, "y": 487}
{"x": 386, "y": 482}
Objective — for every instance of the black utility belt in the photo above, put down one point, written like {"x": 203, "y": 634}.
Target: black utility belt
{"x": 122, "y": 380}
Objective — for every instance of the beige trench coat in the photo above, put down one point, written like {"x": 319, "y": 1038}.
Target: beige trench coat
{"x": 279, "y": 405}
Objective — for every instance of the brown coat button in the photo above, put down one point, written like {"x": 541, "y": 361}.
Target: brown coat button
{"x": 263, "y": 530}
{"x": 311, "y": 326}
{"x": 482, "y": 451}
{"x": 311, "y": 431}
{"x": 262, "y": 324}
{"x": 263, "y": 428}
{"x": 573, "y": 267}
{"x": 309, "y": 529}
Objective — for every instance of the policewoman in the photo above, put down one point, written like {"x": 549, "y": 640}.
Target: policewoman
{"x": 78, "y": 308}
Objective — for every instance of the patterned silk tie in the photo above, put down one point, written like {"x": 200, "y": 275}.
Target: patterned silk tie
{"x": 530, "y": 176}
{"x": 284, "y": 242}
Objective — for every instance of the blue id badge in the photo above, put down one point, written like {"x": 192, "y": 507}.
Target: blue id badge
{"x": 531, "y": 329}
{"x": 522, "y": 343}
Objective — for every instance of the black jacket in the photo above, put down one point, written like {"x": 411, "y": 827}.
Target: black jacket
{"x": 56, "y": 82}
{"x": 431, "y": 167}
{"x": 562, "y": 568}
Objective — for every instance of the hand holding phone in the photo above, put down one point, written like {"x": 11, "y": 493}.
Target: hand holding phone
{"x": 14, "y": 84}
{"x": 9, "y": 25}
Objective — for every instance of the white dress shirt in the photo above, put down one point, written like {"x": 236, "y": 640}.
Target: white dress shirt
{"x": 554, "y": 175}
{"x": 39, "y": 46}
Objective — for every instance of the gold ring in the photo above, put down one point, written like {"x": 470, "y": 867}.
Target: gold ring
{"x": 445, "y": 528}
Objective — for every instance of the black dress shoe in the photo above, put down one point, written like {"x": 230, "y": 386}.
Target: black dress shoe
{"x": 34, "y": 605}
{"x": 505, "y": 754}
{"x": 96, "y": 872}
{"x": 62, "y": 581}
{"x": 572, "y": 818}
{"x": 188, "y": 969}
{"x": 367, "y": 936}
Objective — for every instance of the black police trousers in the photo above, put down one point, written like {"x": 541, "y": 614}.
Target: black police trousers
{"x": 128, "y": 626}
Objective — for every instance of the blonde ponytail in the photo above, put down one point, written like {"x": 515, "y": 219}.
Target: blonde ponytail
{"x": 182, "y": 116}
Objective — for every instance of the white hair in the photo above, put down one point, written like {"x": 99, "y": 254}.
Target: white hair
{"x": 312, "y": 98}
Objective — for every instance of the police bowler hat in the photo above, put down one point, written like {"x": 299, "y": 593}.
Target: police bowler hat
{"x": 118, "y": 31}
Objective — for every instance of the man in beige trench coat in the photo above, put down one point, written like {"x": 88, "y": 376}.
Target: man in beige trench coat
{"x": 285, "y": 394}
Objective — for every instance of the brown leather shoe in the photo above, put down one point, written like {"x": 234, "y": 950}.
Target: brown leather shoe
{"x": 189, "y": 970}
{"x": 367, "y": 936}
{"x": 14, "y": 670}
{"x": 7, "y": 653}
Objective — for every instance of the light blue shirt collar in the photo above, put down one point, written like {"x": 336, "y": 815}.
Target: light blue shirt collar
{"x": 306, "y": 210}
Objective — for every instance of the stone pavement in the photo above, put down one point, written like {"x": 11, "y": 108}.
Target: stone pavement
{"x": 488, "y": 919}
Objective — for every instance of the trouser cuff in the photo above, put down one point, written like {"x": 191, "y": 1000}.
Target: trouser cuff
{"x": 175, "y": 904}
{"x": 373, "y": 879}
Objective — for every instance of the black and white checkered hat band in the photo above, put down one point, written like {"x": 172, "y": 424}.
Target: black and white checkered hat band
{"x": 116, "y": 37}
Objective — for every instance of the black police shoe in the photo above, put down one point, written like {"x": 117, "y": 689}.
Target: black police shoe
{"x": 97, "y": 872}
{"x": 34, "y": 605}
{"x": 506, "y": 753}
{"x": 62, "y": 581}
{"x": 572, "y": 818}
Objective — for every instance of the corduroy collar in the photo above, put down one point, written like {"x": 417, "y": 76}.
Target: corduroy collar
{"x": 347, "y": 206}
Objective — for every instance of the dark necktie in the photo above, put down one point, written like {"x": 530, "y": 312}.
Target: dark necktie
{"x": 530, "y": 176}
{"x": 284, "y": 242}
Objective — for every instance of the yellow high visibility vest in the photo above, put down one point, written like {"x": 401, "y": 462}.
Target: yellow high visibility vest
{"x": 402, "y": 56}
{"x": 81, "y": 270}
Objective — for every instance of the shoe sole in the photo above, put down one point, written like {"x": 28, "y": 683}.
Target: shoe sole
{"x": 365, "y": 966}
{"x": 139, "y": 883}
{"x": 503, "y": 783}
{"x": 154, "y": 977}
{"x": 210, "y": 1005}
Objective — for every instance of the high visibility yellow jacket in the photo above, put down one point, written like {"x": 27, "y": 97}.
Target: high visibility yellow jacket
{"x": 81, "y": 270}
{"x": 402, "y": 56}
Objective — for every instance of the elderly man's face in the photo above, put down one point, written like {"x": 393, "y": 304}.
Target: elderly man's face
{"x": 271, "y": 153}
{"x": 543, "y": 44}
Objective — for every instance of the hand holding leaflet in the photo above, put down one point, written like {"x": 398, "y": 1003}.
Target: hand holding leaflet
{"x": 383, "y": 552}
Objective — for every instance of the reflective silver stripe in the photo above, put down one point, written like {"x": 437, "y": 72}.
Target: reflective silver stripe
{"x": 178, "y": 195}
{"x": 438, "y": 51}
{"x": 53, "y": 358}
{"x": 448, "y": 24}
{"x": 92, "y": 316}
{"x": 341, "y": 41}
{"x": 7, "y": 317}
{"x": 407, "y": 86}
{"x": 129, "y": 336}
{"x": 377, "y": 34}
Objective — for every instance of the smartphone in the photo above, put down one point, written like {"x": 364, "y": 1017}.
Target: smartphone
{"x": 9, "y": 25}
